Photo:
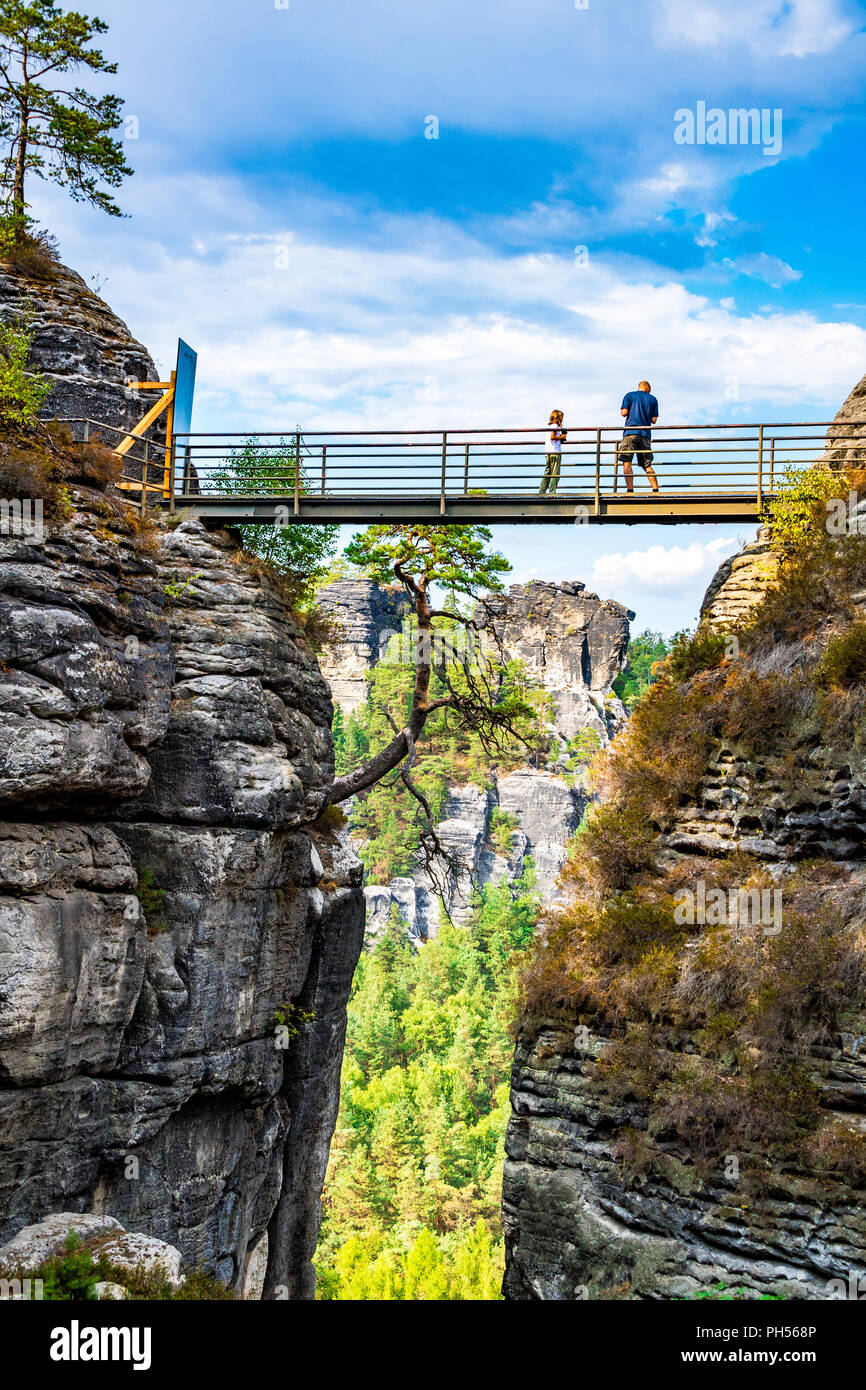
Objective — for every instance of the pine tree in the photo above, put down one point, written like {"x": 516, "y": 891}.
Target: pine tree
{"x": 50, "y": 129}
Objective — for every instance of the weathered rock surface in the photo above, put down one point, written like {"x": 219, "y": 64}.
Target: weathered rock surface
{"x": 133, "y": 1251}
{"x": 575, "y": 1226}
{"x": 546, "y": 812}
{"x": 35, "y": 1244}
{"x": 572, "y": 642}
{"x": 575, "y": 1230}
{"x": 164, "y": 899}
{"x": 127, "y": 1250}
{"x": 846, "y": 438}
{"x": 83, "y": 345}
{"x": 739, "y": 584}
{"x": 85, "y": 669}
{"x": 366, "y": 616}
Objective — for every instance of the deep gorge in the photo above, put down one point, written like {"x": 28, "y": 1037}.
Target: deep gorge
{"x": 182, "y": 919}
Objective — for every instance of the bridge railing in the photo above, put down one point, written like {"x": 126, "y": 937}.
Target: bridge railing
{"x": 144, "y": 469}
{"x": 731, "y": 459}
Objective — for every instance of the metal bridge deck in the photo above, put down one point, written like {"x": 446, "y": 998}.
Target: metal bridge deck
{"x": 565, "y": 509}
{"x": 707, "y": 474}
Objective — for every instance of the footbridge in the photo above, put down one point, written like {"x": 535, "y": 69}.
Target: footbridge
{"x": 706, "y": 473}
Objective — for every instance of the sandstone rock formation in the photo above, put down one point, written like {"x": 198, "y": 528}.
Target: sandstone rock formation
{"x": 572, "y": 642}
{"x": 576, "y": 1224}
{"x": 575, "y": 1230}
{"x": 166, "y": 903}
{"x": 739, "y": 584}
{"x": 547, "y": 812}
{"x": 126, "y": 1250}
{"x": 366, "y": 616}
{"x": 846, "y": 438}
{"x": 83, "y": 345}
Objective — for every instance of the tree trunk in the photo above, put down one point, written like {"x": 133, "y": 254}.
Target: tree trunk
{"x": 18, "y": 204}
{"x": 398, "y": 749}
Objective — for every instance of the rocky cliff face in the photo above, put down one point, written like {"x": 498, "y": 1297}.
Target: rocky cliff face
{"x": 573, "y": 643}
{"x": 177, "y": 938}
{"x": 546, "y": 811}
{"x": 80, "y": 342}
{"x": 846, "y": 439}
{"x": 366, "y": 616}
{"x": 739, "y": 584}
{"x": 603, "y": 1196}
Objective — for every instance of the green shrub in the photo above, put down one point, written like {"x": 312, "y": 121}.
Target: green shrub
{"x": 692, "y": 652}
{"x": 291, "y": 1019}
{"x": 152, "y": 901}
{"x": 798, "y": 512}
{"x": 844, "y": 662}
{"x": 22, "y": 392}
{"x": 503, "y": 827}
{"x": 73, "y": 1275}
{"x": 582, "y": 748}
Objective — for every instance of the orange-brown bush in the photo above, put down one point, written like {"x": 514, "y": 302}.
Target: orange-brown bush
{"x": 611, "y": 846}
{"x": 31, "y": 252}
{"x": 840, "y": 1151}
{"x": 813, "y": 587}
{"x": 757, "y": 1108}
{"x": 44, "y": 463}
{"x": 758, "y": 712}
{"x": 28, "y": 470}
{"x": 716, "y": 1029}
{"x": 841, "y": 713}
{"x": 662, "y": 754}
{"x": 634, "y": 1064}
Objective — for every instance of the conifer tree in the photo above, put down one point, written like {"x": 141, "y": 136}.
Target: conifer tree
{"x": 49, "y": 128}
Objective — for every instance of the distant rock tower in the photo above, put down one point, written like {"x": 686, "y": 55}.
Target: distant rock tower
{"x": 365, "y": 614}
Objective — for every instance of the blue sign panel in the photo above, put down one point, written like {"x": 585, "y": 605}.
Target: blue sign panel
{"x": 184, "y": 389}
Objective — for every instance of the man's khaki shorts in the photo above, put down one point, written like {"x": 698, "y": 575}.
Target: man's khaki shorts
{"x": 636, "y": 445}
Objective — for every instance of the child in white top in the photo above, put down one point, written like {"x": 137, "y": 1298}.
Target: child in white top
{"x": 554, "y": 454}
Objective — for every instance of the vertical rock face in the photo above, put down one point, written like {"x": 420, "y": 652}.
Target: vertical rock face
{"x": 739, "y": 584}
{"x": 582, "y": 1219}
{"x": 167, "y": 909}
{"x": 576, "y": 1226}
{"x": 545, "y": 812}
{"x": 83, "y": 345}
{"x": 571, "y": 641}
{"x": 366, "y": 616}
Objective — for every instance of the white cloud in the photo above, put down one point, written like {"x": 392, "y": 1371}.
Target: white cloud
{"x": 783, "y": 28}
{"x": 659, "y": 568}
{"x": 413, "y": 319}
{"x": 760, "y": 266}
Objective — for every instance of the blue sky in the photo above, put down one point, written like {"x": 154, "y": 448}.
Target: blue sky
{"x": 335, "y": 267}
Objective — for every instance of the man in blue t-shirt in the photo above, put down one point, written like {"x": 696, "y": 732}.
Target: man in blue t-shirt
{"x": 641, "y": 409}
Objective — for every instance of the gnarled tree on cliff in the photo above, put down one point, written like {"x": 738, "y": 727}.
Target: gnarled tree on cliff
{"x": 476, "y": 693}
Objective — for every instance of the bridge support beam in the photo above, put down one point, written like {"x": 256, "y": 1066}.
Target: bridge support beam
{"x": 663, "y": 509}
